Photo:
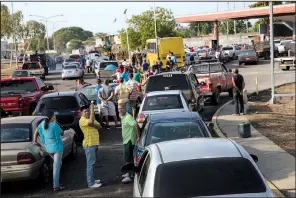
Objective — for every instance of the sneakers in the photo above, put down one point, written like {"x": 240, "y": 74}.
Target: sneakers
{"x": 96, "y": 185}
{"x": 126, "y": 180}
{"x": 98, "y": 181}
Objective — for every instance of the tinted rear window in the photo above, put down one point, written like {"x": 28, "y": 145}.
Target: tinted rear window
{"x": 90, "y": 93}
{"x": 16, "y": 133}
{"x": 105, "y": 64}
{"x": 167, "y": 131}
{"x": 18, "y": 86}
{"x": 31, "y": 66}
{"x": 70, "y": 67}
{"x": 163, "y": 102}
{"x": 227, "y": 48}
{"x": 245, "y": 53}
{"x": 207, "y": 177}
{"x": 205, "y": 69}
{"x": 70, "y": 60}
{"x": 59, "y": 103}
{"x": 74, "y": 56}
{"x": 20, "y": 74}
{"x": 167, "y": 82}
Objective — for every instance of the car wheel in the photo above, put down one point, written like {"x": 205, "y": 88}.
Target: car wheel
{"x": 44, "y": 175}
{"x": 256, "y": 62}
{"x": 216, "y": 98}
{"x": 63, "y": 78}
{"x": 74, "y": 148}
{"x": 287, "y": 68}
{"x": 239, "y": 63}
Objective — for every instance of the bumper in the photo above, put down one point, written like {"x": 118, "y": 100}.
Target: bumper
{"x": 20, "y": 172}
{"x": 16, "y": 111}
{"x": 248, "y": 61}
{"x": 287, "y": 65}
{"x": 75, "y": 75}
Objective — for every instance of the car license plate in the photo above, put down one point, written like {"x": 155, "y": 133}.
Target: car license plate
{"x": 247, "y": 58}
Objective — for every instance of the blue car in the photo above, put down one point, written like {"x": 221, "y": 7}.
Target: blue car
{"x": 162, "y": 127}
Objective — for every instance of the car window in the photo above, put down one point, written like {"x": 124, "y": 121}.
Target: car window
{"x": 40, "y": 83}
{"x": 16, "y": 133}
{"x": 60, "y": 103}
{"x": 162, "y": 102}
{"x": 31, "y": 66}
{"x": 143, "y": 174}
{"x": 167, "y": 82}
{"x": 20, "y": 74}
{"x": 17, "y": 86}
{"x": 207, "y": 177}
{"x": 83, "y": 99}
{"x": 70, "y": 67}
{"x": 89, "y": 92}
{"x": 74, "y": 56}
{"x": 165, "y": 131}
{"x": 144, "y": 132}
{"x": 245, "y": 53}
{"x": 227, "y": 48}
{"x": 193, "y": 79}
{"x": 237, "y": 48}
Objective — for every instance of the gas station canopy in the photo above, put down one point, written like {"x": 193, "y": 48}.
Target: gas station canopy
{"x": 287, "y": 11}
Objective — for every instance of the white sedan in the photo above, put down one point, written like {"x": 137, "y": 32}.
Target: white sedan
{"x": 71, "y": 71}
{"x": 198, "y": 167}
{"x": 162, "y": 102}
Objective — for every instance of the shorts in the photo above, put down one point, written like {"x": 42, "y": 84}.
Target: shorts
{"x": 108, "y": 110}
{"x": 128, "y": 149}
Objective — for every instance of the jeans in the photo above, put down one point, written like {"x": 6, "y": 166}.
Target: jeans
{"x": 57, "y": 164}
{"x": 90, "y": 153}
{"x": 238, "y": 101}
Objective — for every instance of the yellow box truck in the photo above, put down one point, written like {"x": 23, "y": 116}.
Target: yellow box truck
{"x": 166, "y": 44}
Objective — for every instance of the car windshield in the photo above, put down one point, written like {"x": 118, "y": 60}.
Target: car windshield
{"x": 204, "y": 69}
{"x": 70, "y": 60}
{"x": 246, "y": 53}
{"x": 162, "y": 102}
{"x": 74, "y": 56}
{"x": 20, "y": 74}
{"x": 70, "y": 67}
{"x": 167, "y": 82}
{"x": 165, "y": 131}
{"x": 90, "y": 92}
{"x": 60, "y": 103}
{"x": 227, "y": 48}
{"x": 31, "y": 66}
{"x": 18, "y": 86}
{"x": 275, "y": 42}
{"x": 207, "y": 177}
{"x": 11, "y": 133}
{"x": 105, "y": 64}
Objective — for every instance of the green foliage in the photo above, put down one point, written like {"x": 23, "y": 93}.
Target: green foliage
{"x": 64, "y": 35}
{"x": 201, "y": 28}
{"x": 264, "y": 3}
{"x": 75, "y": 44}
{"x": 141, "y": 27}
{"x": 240, "y": 26}
{"x": 5, "y": 22}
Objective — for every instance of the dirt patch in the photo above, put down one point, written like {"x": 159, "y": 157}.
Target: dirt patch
{"x": 6, "y": 70}
{"x": 275, "y": 121}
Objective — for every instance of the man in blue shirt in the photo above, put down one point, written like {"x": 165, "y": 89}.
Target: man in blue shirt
{"x": 124, "y": 75}
{"x": 98, "y": 87}
{"x": 145, "y": 66}
{"x": 173, "y": 58}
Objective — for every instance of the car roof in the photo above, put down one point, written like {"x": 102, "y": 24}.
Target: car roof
{"x": 161, "y": 74}
{"x": 195, "y": 148}
{"x": 167, "y": 92}
{"x": 18, "y": 78}
{"x": 20, "y": 119}
{"x": 60, "y": 94}
{"x": 171, "y": 116}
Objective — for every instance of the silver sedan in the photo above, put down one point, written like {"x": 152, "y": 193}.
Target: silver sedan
{"x": 21, "y": 159}
{"x": 71, "y": 71}
{"x": 198, "y": 167}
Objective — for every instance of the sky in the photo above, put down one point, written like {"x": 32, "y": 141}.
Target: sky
{"x": 99, "y": 16}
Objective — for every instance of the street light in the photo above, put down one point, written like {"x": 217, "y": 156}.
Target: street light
{"x": 46, "y": 20}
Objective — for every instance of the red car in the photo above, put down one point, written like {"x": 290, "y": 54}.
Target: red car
{"x": 35, "y": 69}
{"x": 76, "y": 57}
{"x": 19, "y": 96}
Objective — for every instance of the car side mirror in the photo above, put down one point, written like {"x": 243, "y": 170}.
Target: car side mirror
{"x": 129, "y": 168}
{"x": 230, "y": 70}
{"x": 255, "y": 158}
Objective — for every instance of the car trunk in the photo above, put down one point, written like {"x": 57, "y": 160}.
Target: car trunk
{"x": 9, "y": 152}
{"x": 8, "y": 102}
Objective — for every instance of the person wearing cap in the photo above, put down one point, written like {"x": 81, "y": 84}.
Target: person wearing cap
{"x": 89, "y": 127}
{"x": 122, "y": 93}
{"x": 134, "y": 88}
{"x": 98, "y": 87}
{"x": 238, "y": 87}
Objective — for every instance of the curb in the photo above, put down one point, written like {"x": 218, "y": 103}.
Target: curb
{"x": 273, "y": 188}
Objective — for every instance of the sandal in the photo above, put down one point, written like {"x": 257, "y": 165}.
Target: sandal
{"x": 59, "y": 189}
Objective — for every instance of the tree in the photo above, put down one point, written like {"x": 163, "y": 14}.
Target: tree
{"x": 75, "y": 44}
{"x": 90, "y": 41}
{"x": 5, "y": 22}
{"x": 141, "y": 27}
{"x": 64, "y": 35}
{"x": 201, "y": 28}
{"x": 240, "y": 26}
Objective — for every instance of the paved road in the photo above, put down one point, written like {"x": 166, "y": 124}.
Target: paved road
{"x": 73, "y": 174}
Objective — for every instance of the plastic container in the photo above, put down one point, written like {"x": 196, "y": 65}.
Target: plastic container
{"x": 244, "y": 130}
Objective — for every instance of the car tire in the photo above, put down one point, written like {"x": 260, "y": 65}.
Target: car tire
{"x": 45, "y": 173}
{"x": 287, "y": 68}
{"x": 63, "y": 78}
{"x": 256, "y": 63}
{"x": 73, "y": 153}
{"x": 216, "y": 97}
{"x": 239, "y": 63}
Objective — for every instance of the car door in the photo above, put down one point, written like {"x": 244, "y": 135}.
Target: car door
{"x": 195, "y": 85}
{"x": 221, "y": 77}
{"x": 228, "y": 76}
{"x": 141, "y": 182}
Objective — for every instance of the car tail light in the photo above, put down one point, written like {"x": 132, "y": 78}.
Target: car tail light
{"x": 78, "y": 114}
{"x": 141, "y": 118}
{"x": 21, "y": 102}
{"x": 138, "y": 158}
{"x": 25, "y": 158}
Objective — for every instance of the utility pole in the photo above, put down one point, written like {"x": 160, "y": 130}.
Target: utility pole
{"x": 227, "y": 23}
{"x": 247, "y": 27}
{"x": 128, "y": 47}
{"x": 234, "y": 22}
{"x": 271, "y": 51}
{"x": 11, "y": 46}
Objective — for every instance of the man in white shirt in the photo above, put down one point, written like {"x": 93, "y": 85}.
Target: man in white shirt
{"x": 124, "y": 63}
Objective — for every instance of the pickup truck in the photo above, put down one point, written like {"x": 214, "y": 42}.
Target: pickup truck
{"x": 290, "y": 60}
{"x": 19, "y": 96}
{"x": 214, "y": 79}
{"x": 35, "y": 69}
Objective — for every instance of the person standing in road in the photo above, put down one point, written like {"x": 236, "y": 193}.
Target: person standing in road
{"x": 124, "y": 63}
{"x": 130, "y": 136}
{"x": 122, "y": 93}
{"x": 98, "y": 87}
{"x": 134, "y": 87}
{"x": 159, "y": 64}
{"x": 238, "y": 87}
{"x": 137, "y": 75}
{"x": 106, "y": 94}
{"x": 145, "y": 66}
{"x": 50, "y": 134}
{"x": 89, "y": 127}
{"x": 124, "y": 75}
{"x": 88, "y": 63}
{"x": 173, "y": 58}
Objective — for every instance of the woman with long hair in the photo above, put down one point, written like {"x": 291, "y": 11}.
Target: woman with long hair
{"x": 50, "y": 134}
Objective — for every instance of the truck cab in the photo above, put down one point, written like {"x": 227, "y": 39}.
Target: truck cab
{"x": 19, "y": 96}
